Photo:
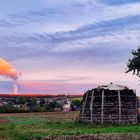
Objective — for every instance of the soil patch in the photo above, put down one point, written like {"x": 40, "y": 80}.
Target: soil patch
{"x": 2, "y": 121}
{"x": 118, "y": 136}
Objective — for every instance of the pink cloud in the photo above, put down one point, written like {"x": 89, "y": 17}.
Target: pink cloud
{"x": 55, "y": 87}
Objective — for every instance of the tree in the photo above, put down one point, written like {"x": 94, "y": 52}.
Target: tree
{"x": 52, "y": 105}
{"x": 134, "y": 63}
{"x": 33, "y": 104}
{"x": 76, "y": 102}
{"x": 21, "y": 100}
{"x": 42, "y": 102}
{"x": 75, "y": 105}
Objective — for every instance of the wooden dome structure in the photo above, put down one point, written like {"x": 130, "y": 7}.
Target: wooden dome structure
{"x": 109, "y": 104}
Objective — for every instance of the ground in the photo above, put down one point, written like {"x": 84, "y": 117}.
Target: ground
{"x": 25, "y": 126}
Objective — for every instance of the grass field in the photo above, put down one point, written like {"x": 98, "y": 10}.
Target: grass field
{"x": 26, "y": 126}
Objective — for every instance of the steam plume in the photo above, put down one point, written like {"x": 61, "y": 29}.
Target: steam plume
{"x": 7, "y": 70}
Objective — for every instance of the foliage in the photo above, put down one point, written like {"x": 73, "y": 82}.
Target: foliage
{"x": 21, "y": 100}
{"x": 9, "y": 109}
{"x": 29, "y": 105}
{"x": 42, "y": 102}
{"x": 75, "y": 105}
{"x": 134, "y": 63}
{"x": 76, "y": 102}
{"x": 52, "y": 105}
{"x": 33, "y": 104}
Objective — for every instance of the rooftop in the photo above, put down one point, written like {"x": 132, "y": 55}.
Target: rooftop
{"x": 112, "y": 86}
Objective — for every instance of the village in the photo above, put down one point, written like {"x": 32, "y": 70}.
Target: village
{"x": 37, "y": 103}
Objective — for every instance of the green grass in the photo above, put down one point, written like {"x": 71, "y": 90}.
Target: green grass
{"x": 27, "y": 127}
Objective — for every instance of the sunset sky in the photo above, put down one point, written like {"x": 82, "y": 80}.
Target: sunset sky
{"x": 69, "y": 46}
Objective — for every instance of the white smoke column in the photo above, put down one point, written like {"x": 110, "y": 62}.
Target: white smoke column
{"x": 15, "y": 77}
{"x": 15, "y": 86}
{"x": 15, "y": 82}
{"x": 7, "y": 70}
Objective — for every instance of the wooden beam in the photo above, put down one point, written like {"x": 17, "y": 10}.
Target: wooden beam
{"x": 91, "y": 106}
{"x": 84, "y": 105}
{"x": 136, "y": 110}
{"x": 102, "y": 108}
{"x": 119, "y": 98}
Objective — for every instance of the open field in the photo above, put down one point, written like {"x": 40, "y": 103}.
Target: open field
{"x": 49, "y": 116}
{"x": 24, "y": 126}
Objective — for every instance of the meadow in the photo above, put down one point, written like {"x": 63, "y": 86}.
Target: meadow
{"x": 25, "y": 126}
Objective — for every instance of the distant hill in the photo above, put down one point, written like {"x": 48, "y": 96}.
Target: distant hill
{"x": 42, "y": 95}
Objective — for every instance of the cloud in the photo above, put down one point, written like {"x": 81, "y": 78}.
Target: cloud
{"x": 100, "y": 29}
{"x": 87, "y": 43}
{"x": 46, "y": 87}
{"x": 118, "y": 2}
{"x": 86, "y": 31}
{"x": 44, "y": 19}
{"x": 107, "y": 29}
{"x": 8, "y": 24}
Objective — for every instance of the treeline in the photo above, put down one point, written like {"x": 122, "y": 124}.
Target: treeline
{"x": 22, "y": 104}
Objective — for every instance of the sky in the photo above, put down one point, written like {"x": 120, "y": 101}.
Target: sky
{"x": 69, "y": 46}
